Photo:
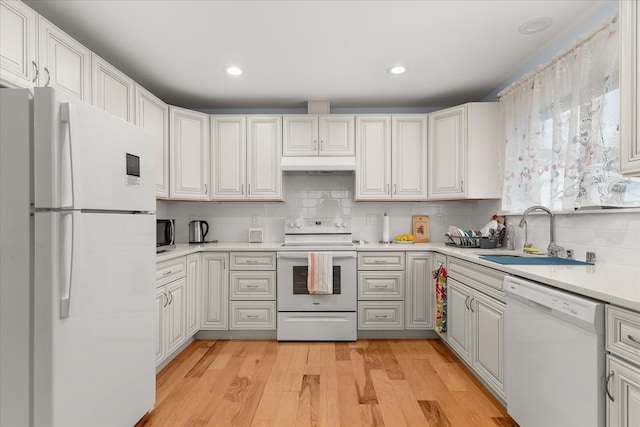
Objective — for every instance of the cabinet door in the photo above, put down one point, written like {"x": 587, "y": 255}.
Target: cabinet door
{"x": 192, "y": 294}
{"x": 113, "y": 91}
{"x": 264, "y": 150}
{"x": 153, "y": 115}
{"x": 161, "y": 300}
{"x": 175, "y": 312}
{"x": 228, "y": 157}
{"x": 419, "y": 300}
{"x": 459, "y": 318}
{"x": 409, "y": 157}
{"x": 624, "y": 387}
{"x": 630, "y": 88}
{"x": 189, "y": 147}
{"x": 447, "y": 151}
{"x": 18, "y": 43}
{"x": 215, "y": 291}
{"x": 337, "y": 137}
{"x": 488, "y": 330}
{"x": 300, "y": 135}
{"x": 373, "y": 159}
{"x": 64, "y": 63}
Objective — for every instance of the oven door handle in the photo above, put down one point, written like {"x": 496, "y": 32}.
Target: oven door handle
{"x": 305, "y": 255}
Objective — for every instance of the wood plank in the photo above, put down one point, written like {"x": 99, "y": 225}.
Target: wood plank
{"x": 309, "y": 401}
{"x": 433, "y": 413}
{"x": 387, "y": 402}
{"x": 408, "y": 403}
{"x": 347, "y": 394}
{"x": 362, "y": 376}
{"x": 342, "y": 351}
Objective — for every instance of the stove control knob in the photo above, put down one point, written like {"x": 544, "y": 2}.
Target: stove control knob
{"x": 298, "y": 225}
{"x": 344, "y": 224}
{"x": 291, "y": 224}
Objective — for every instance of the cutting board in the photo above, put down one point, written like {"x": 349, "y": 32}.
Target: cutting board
{"x": 420, "y": 228}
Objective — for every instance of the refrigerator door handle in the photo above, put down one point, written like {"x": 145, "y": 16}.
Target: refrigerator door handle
{"x": 68, "y": 115}
{"x": 68, "y": 258}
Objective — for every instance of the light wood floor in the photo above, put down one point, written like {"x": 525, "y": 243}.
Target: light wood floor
{"x": 365, "y": 383}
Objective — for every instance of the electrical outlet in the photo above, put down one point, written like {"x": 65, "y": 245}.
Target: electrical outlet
{"x": 255, "y": 219}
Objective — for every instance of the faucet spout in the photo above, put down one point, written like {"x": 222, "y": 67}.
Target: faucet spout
{"x": 552, "y": 249}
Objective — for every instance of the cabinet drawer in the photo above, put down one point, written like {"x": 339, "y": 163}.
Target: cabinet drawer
{"x": 168, "y": 271}
{"x": 381, "y": 315}
{"x": 252, "y": 315}
{"x": 470, "y": 273}
{"x": 381, "y": 261}
{"x": 253, "y": 260}
{"x": 623, "y": 333}
{"x": 253, "y": 285}
{"x": 381, "y": 285}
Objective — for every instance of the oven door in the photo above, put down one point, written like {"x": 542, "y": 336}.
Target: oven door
{"x": 292, "y": 283}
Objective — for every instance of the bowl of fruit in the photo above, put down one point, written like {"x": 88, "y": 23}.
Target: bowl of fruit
{"x": 406, "y": 239}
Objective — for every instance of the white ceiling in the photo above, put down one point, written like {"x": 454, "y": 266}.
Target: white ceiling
{"x": 293, "y": 51}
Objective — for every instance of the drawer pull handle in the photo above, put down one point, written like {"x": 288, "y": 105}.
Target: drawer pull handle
{"x": 381, "y": 316}
{"x": 380, "y": 286}
{"x": 606, "y": 386}
{"x": 380, "y": 261}
{"x": 252, "y": 316}
{"x": 166, "y": 273}
{"x": 252, "y": 286}
{"x": 251, "y": 261}
{"x": 632, "y": 338}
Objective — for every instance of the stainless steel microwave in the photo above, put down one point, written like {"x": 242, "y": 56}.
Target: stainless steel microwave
{"x": 165, "y": 234}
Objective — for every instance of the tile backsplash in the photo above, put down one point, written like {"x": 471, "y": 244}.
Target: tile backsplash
{"x": 325, "y": 196}
{"x": 615, "y": 237}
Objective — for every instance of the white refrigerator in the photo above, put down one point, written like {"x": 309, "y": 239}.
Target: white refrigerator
{"x": 77, "y": 264}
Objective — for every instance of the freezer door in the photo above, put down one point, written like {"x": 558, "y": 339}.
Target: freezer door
{"x": 94, "y": 321}
{"x": 85, "y": 158}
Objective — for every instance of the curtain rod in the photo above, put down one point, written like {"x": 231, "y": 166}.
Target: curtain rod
{"x": 575, "y": 45}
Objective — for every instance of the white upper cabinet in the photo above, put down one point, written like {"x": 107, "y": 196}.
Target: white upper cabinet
{"x": 18, "y": 45}
{"x": 327, "y": 135}
{"x": 153, "y": 115}
{"x": 228, "y": 157}
{"x": 246, "y": 152}
{"x": 189, "y": 148}
{"x": 373, "y": 162}
{"x": 391, "y": 157}
{"x": 463, "y": 147}
{"x": 630, "y": 88}
{"x": 264, "y": 150}
{"x": 63, "y": 62}
{"x": 113, "y": 91}
{"x": 409, "y": 157}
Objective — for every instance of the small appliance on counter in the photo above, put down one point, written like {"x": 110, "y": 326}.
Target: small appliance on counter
{"x": 165, "y": 234}
{"x": 198, "y": 231}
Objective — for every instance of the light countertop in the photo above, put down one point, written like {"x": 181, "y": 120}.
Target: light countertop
{"x": 606, "y": 282}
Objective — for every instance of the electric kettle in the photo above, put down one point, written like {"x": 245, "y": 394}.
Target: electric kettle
{"x": 198, "y": 231}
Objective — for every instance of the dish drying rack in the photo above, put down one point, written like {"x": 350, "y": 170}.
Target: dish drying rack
{"x": 475, "y": 241}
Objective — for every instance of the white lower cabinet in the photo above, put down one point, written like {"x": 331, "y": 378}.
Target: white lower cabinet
{"x": 252, "y": 283}
{"x": 193, "y": 294}
{"x": 171, "y": 302}
{"x": 381, "y": 315}
{"x": 623, "y": 367}
{"x": 419, "y": 299}
{"x": 475, "y": 329}
{"x": 215, "y": 291}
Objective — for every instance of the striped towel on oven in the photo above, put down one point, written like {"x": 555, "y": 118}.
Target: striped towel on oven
{"x": 320, "y": 277}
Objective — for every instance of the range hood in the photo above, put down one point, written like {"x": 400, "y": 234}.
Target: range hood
{"x": 318, "y": 164}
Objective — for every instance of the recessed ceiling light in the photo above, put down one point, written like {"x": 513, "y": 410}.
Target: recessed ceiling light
{"x": 233, "y": 70}
{"x": 398, "y": 69}
{"x": 535, "y": 25}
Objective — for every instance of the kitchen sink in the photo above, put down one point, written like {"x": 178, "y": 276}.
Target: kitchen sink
{"x": 514, "y": 259}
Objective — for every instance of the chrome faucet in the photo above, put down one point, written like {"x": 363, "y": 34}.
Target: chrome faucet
{"x": 553, "y": 250}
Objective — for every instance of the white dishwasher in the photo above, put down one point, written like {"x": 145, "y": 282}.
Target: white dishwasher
{"x": 555, "y": 356}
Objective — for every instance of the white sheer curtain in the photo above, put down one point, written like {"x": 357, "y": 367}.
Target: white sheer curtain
{"x": 561, "y": 131}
